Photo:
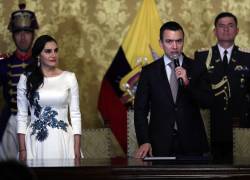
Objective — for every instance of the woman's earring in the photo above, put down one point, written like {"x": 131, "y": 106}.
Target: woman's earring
{"x": 38, "y": 61}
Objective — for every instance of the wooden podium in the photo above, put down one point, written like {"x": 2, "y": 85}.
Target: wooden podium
{"x": 122, "y": 168}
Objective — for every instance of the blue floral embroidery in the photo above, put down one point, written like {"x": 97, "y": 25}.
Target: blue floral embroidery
{"x": 46, "y": 116}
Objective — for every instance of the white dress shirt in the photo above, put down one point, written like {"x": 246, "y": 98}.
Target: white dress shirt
{"x": 229, "y": 52}
{"x": 167, "y": 60}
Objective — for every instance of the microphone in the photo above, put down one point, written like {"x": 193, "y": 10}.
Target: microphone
{"x": 175, "y": 58}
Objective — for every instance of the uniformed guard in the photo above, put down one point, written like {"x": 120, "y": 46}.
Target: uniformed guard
{"x": 228, "y": 68}
{"x": 22, "y": 26}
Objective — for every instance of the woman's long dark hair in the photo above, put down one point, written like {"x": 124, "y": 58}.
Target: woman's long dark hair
{"x": 33, "y": 71}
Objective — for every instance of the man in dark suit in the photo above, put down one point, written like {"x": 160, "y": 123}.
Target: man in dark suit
{"x": 175, "y": 126}
{"x": 229, "y": 72}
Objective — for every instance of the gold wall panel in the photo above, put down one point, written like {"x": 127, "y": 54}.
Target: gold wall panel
{"x": 89, "y": 33}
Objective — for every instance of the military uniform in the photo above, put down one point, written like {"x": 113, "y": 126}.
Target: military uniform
{"x": 10, "y": 70}
{"x": 231, "y": 89}
{"x": 11, "y": 67}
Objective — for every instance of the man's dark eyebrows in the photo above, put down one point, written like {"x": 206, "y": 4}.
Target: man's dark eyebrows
{"x": 181, "y": 39}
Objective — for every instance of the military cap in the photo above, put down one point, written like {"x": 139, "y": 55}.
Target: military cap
{"x": 22, "y": 20}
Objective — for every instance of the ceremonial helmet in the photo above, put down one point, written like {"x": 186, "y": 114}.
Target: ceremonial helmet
{"x": 22, "y": 20}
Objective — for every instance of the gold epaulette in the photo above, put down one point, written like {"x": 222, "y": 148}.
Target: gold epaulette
{"x": 203, "y": 49}
{"x": 246, "y": 50}
{"x": 4, "y": 56}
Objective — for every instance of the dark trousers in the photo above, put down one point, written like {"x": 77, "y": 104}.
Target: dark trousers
{"x": 176, "y": 147}
{"x": 222, "y": 152}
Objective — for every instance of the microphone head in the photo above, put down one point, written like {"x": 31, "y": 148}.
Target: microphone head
{"x": 175, "y": 56}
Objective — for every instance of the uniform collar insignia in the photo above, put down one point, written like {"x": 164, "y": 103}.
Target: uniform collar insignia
{"x": 217, "y": 60}
{"x": 23, "y": 55}
{"x": 233, "y": 60}
{"x": 238, "y": 68}
{"x": 241, "y": 68}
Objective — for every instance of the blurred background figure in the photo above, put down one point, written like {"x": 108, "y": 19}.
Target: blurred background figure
{"x": 228, "y": 66}
{"x": 22, "y": 25}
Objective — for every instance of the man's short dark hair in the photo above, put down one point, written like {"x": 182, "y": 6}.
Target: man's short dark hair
{"x": 171, "y": 25}
{"x": 225, "y": 14}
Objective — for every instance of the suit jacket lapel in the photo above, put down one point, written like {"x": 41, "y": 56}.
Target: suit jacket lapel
{"x": 185, "y": 64}
{"x": 216, "y": 59}
{"x": 217, "y": 72}
{"x": 233, "y": 62}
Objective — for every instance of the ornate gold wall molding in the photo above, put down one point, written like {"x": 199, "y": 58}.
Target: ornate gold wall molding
{"x": 89, "y": 33}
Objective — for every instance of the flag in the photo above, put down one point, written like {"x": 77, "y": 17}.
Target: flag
{"x": 139, "y": 47}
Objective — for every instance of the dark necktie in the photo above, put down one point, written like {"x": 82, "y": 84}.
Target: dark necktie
{"x": 173, "y": 81}
{"x": 225, "y": 60}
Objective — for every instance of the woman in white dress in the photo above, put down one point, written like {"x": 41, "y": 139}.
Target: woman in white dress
{"x": 46, "y": 93}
